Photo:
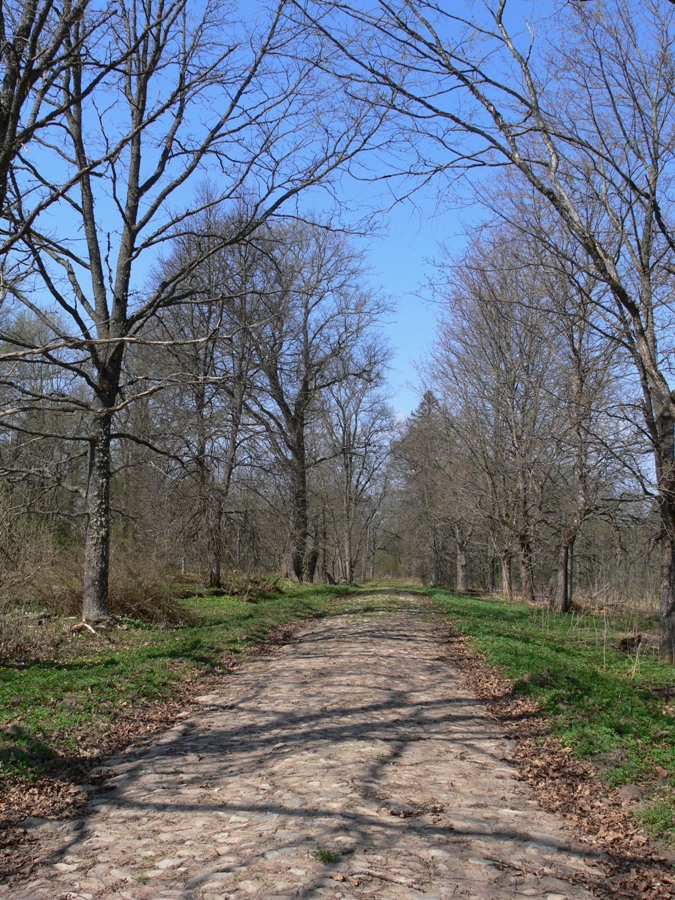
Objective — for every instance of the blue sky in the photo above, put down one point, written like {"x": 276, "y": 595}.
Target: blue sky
{"x": 399, "y": 262}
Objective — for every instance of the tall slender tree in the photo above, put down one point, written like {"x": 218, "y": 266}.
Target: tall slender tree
{"x": 316, "y": 319}
{"x": 356, "y": 428}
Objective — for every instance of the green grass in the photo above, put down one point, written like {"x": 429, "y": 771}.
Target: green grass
{"x": 659, "y": 816}
{"x": 55, "y": 709}
{"x": 325, "y": 856}
{"x": 606, "y": 705}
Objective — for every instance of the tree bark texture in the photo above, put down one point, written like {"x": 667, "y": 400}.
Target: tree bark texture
{"x": 97, "y": 536}
{"x": 665, "y": 459}
{"x": 299, "y": 520}
{"x": 507, "y": 574}
{"x": 562, "y": 596}
{"x": 462, "y": 544}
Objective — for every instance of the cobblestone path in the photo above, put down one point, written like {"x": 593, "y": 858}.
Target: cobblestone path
{"x": 350, "y": 763}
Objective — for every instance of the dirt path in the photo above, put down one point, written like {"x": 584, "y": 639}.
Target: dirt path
{"x": 350, "y": 763}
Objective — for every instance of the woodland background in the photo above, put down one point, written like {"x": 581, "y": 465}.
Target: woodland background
{"x": 193, "y": 380}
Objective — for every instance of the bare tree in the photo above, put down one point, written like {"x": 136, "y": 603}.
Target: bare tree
{"x": 356, "y": 426}
{"x": 34, "y": 51}
{"x": 581, "y": 106}
{"x": 195, "y": 93}
{"x": 40, "y": 42}
{"x": 583, "y": 388}
{"x": 316, "y": 318}
{"x": 203, "y": 353}
{"x": 491, "y": 362}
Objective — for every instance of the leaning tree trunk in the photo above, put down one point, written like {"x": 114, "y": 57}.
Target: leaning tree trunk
{"x": 665, "y": 470}
{"x": 97, "y": 534}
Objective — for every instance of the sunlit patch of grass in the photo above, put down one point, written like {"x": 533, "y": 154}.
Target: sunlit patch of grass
{"x": 659, "y": 816}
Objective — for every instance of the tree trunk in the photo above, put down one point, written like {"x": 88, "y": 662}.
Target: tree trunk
{"x": 562, "y": 596}
{"x": 337, "y": 556}
{"x": 349, "y": 555}
{"x": 311, "y": 562}
{"x": 436, "y": 575}
{"x": 214, "y": 540}
{"x": 462, "y": 544}
{"x": 347, "y": 511}
{"x": 324, "y": 548}
{"x": 372, "y": 560}
{"x": 491, "y": 581}
{"x": 312, "y": 550}
{"x": 97, "y": 536}
{"x": 347, "y": 538}
{"x": 667, "y": 600}
{"x": 665, "y": 469}
{"x": 507, "y": 574}
{"x": 299, "y": 521}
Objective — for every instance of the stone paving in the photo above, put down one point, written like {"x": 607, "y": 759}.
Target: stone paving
{"x": 350, "y": 763}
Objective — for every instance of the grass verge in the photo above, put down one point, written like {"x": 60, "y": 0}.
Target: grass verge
{"x": 613, "y": 708}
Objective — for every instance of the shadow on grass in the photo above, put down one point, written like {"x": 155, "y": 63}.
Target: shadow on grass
{"x": 21, "y": 751}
